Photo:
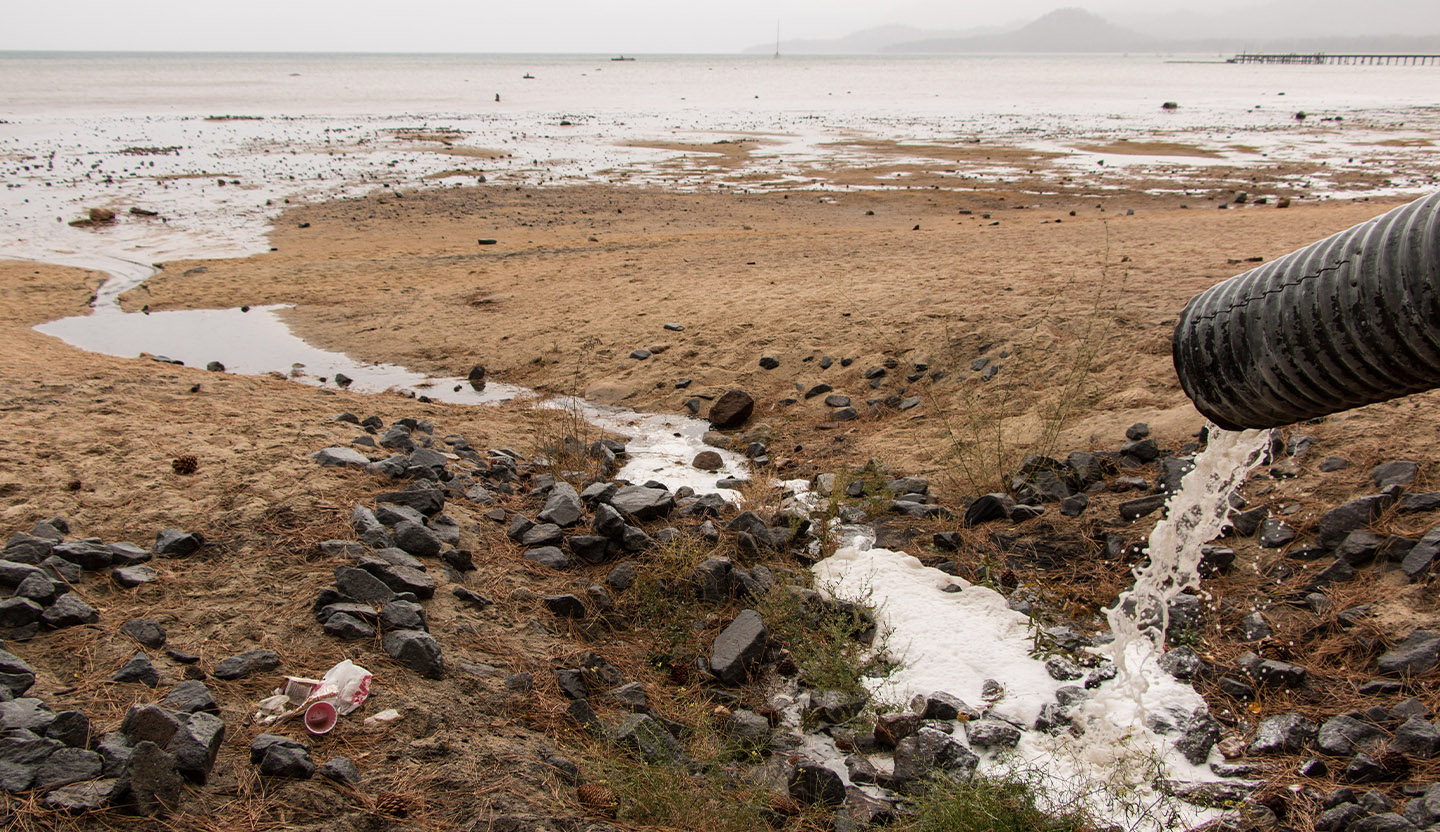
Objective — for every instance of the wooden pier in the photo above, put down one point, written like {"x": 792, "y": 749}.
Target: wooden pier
{"x": 1327, "y": 58}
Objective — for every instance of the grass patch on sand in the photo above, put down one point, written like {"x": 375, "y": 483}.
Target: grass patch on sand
{"x": 989, "y": 804}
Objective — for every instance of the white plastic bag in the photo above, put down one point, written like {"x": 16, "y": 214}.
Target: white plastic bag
{"x": 346, "y": 686}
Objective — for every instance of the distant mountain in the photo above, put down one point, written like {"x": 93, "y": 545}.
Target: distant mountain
{"x": 1063, "y": 30}
{"x": 1298, "y": 20}
{"x": 865, "y": 42}
{"x": 1281, "y": 26}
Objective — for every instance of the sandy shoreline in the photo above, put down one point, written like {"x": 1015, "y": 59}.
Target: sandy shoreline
{"x": 582, "y": 276}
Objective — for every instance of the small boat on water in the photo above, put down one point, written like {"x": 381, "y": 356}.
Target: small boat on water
{"x": 621, "y": 58}
{"x": 527, "y": 76}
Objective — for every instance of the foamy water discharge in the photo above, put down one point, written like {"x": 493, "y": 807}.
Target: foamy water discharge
{"x": 1194, "y": 516}
{"x": 943, "y": 639}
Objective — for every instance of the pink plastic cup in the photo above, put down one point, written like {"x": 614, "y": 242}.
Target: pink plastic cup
{"x": 320, "y": 718}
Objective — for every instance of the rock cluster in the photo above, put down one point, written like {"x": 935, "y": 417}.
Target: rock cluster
{"x": 42, "y": 568}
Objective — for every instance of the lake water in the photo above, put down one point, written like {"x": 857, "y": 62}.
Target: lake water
{"x": 120, "y": 129}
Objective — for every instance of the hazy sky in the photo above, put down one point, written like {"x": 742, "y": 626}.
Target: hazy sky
{"x": 601, "y": 26}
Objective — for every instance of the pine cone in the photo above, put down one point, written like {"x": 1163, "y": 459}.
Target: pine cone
{"x": 185, "y": 464}
{"x": 392, "y": 804}
{"x": 597, "y": 798}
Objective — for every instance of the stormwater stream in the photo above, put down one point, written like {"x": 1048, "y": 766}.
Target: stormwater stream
{"x": 946, "y": 634}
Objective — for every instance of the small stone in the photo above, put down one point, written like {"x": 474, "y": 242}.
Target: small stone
{"x": 416, "y": 650}
{"x": 341, "y": 770}
{"x": 147, "y": 631}
{"x": 69, "y": 611}
{"x": 739, "y": 648}
{"x": 1283, "y": 734}
{"x": 191, "y": 697}
{"x": 565, "y": 606}
{"x": 138, "y": 669}
{"x": 246, "y": 664}
{"x": 176, "y": 543}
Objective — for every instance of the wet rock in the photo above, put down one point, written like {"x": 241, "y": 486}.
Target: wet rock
{"x": 1141, "y": 507}
{"x": 246, "y": 664}
{"x": 1342, "y": 736}
{"x": 416, "y": 650}
{"x": 731, "y": 410}
{"x": 942, "y": 705}
{"x": 1223, "y": 793}
{"x": 1253, "y": 627}
{"x": 834, "y": 707}
{"x": 708, "y": 461}
{"x": 739, "y": 648}
{"x": 1198, "y": 735}
{"x": 1359, "y": 547}
{"x": 931, "y": 753}
{"x": 992, "y": 733}
{"x": 1416, "y": 738}
{"x": 1275, "y": 534}
{"x": 1283, "y": 734}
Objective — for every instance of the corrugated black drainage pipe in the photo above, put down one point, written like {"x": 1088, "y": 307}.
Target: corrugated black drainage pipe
{"x": 1348, "y": 321}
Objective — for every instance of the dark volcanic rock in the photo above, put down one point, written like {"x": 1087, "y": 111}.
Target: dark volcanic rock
{"x": 931, "y": 753}
{"x": 642, "y": 503}
{"x": 1415, "y": 655}
{"x": 417, "y": 650}
{"x": 247, "y": 663}
{"x": 739, "y": 648}
{"x": 69, "y": 611}
{"x": 812, "y": 784}
{"x": 176, "y": 543}
{"x": 649, "y": 739}
{"x": 1283, "y": 734}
